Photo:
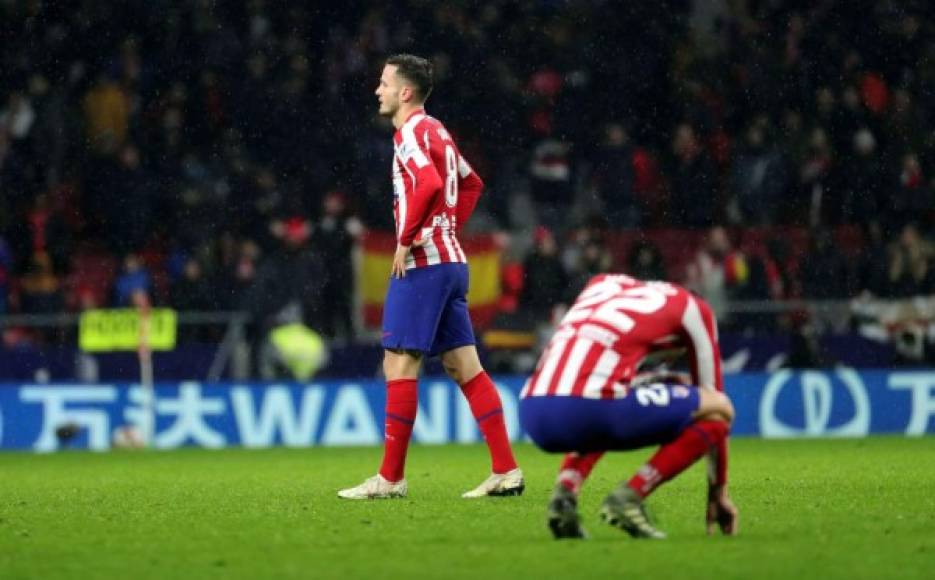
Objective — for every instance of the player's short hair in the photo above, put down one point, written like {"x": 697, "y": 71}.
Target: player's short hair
{"x": 415, "y": 69}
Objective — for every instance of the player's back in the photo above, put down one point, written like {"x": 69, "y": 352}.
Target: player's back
{"x": 614, "y": 323}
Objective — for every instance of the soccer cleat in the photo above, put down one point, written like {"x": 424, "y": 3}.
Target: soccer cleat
{"x": 499, "y": 484}
{"x": 376, "y": 487}
{"x": 624, "y": 509}
{"x": 562, "y": 515}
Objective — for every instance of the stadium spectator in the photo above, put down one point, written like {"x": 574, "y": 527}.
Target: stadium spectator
{"x": 873, "y": 263}
{"x": 645, "y": 262}
{"x": 706, "y": 274}
{"x": 593, "y": 257}
{"x": 759, "y": 176}
{"x": 134, "y": 285}
{"x": 288, "y": 281}
{"x": 825, "y": 272}
{"x": 107, "y": 112}
{"x": 863, "y": 179}
{"x": 333, "y": 238}
{"x": 693, "y": 181}
{"x": 191, "y": 291}
{"x": 40, "y": 288}
{"x": 551, "y": 183}
{"x": 546, "y": 281}
{"x": 613, "y": 178}
{"x": 911, "y": 272}
{"x": 41, "y": 230}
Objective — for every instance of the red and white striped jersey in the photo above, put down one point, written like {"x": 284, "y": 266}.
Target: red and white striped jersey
{"x": 615, "y": 323}
{"x": 435, "y": 191}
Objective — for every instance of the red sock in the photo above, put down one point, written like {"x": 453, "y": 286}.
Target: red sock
{"x": 676, "y": 456}
{"x": 401, "y": 405}
{"x": 485, "y": 404}
{"x": 576, "y": 468}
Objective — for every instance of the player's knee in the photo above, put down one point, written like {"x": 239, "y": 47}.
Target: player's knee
{"x": 462, "y": 364}
{"x": 401, "y": 364}
{"x": 717, "y": 406}
{"x": 453, "y": 372}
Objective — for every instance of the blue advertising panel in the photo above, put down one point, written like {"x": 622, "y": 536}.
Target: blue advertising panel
{"x": 834, "y": 403}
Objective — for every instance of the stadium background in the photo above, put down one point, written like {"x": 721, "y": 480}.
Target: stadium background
{"x": 225, "y": 160}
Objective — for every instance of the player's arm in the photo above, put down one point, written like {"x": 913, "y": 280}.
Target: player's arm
{"x": 470, "y": 186}
{"x": 705, "y": 354}
{"x": 428, "y": 185}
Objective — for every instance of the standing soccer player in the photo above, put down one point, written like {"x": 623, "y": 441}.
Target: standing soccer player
{"x": 585, "y": 398}
{"x": 425, "y": 313}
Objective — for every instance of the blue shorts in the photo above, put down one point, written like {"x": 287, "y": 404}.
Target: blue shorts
{"x": 427, "y": 310}
{"x": 563, "y": 424}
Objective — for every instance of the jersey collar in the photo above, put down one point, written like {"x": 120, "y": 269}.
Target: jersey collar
{"x": 418, "y": 111}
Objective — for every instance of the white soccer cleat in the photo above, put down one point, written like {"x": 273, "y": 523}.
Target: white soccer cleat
{"x": 376, "y": 487}
{"x": 499, "y": 484}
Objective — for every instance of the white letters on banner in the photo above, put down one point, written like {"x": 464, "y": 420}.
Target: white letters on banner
{"x": 923, "y": 398}
{"x": 60, "y": 407}
{"x": 351, "y": 421}
{"x": 817, "y": 397}
{"x": 189, "y": 410}
{"x": 833, "y": 403}
{"x": 277, "y": 413}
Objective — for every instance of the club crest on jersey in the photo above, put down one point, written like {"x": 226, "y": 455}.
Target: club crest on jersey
{"x": 405, "y": 150}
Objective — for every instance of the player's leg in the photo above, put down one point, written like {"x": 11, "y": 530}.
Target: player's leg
{"x": 410, "y": 317}
{"x": 562, "y": 513}
{"x": 454, "y": 340}
{"x": 710, "y": 423}
{"x": 701, "y": 333}
{"x": 575, "y": 469}
{"x": 463, "y": 366}
{"x": 401, "y": 369}
{"x": 559, "y": 424}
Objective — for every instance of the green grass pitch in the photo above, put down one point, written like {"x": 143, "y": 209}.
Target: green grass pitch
{"x": 809, "y": 509}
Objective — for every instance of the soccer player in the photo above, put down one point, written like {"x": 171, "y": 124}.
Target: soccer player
{"x": 425, "y": 312}
{"x": 585, "y": 397}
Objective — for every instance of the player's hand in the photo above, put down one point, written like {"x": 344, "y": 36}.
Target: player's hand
{"x": 402, "y": 252}
{"x": 399, "y": 261}
{"x": 722, "y": 513}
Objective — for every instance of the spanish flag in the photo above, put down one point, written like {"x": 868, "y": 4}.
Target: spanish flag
{"x": 373, "y": 275}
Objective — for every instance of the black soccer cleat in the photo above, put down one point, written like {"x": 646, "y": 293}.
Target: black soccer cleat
{"x": 562, "y": 515}
{"x": 624, "y": 509}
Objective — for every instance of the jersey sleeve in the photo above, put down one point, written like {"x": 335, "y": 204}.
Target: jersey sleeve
{"x": 416, "y": 155}
{"x": 470, "y": 186}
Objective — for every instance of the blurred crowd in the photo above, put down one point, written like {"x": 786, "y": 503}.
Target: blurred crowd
{"x": 228, "y": 155}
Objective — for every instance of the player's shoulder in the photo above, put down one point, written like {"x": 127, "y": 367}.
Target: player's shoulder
{"x": 434, "y": 127}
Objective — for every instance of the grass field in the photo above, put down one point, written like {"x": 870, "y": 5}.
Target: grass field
{"x": 809, "y": 509}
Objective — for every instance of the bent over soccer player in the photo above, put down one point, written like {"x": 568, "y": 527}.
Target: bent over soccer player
{"x": 583, "y": 400}
{"x": 426, "y": 312}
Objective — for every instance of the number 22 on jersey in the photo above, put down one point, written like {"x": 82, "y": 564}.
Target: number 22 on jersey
{"x": 608, "y": 302}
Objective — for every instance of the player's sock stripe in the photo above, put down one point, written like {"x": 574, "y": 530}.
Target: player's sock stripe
{"x": 489, "y": 414}
{"x": 400, "y": 419}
